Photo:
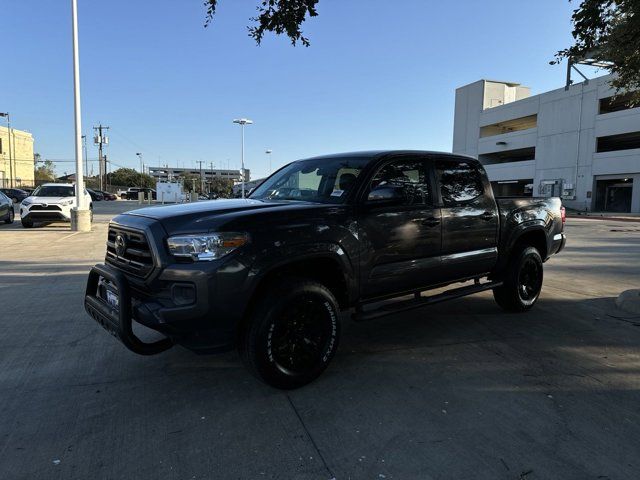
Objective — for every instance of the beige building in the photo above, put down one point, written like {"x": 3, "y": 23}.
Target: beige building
{"x": 20, "y": 171}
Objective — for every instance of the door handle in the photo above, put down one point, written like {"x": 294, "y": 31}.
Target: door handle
{"x": 431, "y": 222}
{"x": 487, "y": 216}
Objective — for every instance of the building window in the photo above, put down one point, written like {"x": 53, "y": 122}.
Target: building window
{"x": 508, "y": 126}
{"x": 508, "y": 156}
{"x": 613, "y": 143}
{"x": 615, "y": 104}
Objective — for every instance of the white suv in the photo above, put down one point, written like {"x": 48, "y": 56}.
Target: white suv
{"x": 51, "y": 202}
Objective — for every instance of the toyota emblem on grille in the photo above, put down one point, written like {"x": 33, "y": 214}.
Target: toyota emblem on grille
{"x": 121, "y": 245}
{"x": 45, "y": 205}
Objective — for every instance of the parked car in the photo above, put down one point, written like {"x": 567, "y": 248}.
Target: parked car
{"x": 15, "y": 194}
{"x": 271, "y": 274}
{"x": 96, "y": 196}
{"x": 107, "y": 195}
{"x": 6, "y": 209}
{"x": 132, "y": 193}
{"x": 51, "y": 202}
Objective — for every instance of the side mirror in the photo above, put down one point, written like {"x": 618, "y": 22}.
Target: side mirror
{"x": 386, "y": 195}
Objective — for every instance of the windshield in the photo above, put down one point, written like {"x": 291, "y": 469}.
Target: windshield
{"x": 322, "y": 180}
{"x": 54, "y": 191}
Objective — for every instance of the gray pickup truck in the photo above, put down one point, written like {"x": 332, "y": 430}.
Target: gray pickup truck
{"x": 370, "y": 233}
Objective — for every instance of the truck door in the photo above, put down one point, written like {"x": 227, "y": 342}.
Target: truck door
{"x": 399, "y": 227}
{"x": 470, "y": 219}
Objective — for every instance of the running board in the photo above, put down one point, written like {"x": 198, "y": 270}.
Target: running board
{"x": 420, "y": 301}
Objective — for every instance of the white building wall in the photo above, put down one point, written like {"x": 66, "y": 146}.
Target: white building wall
{"x": 568, "y": 125}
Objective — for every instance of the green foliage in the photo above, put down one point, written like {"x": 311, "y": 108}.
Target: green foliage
{"x": 278, "y": 16}
{"x": 45, "y": 172}
{"x": 129, "y": 177}
{"x": 191, "y": 182}
{"x": 222, "y": 187}
{"x": 609, "y": 31}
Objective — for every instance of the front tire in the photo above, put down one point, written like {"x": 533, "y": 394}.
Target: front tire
{"x": 11, "y": 216}
{"x": 292, "y": 334}
{"x": 27, "y": 223}
{"x": 522, "y": 281}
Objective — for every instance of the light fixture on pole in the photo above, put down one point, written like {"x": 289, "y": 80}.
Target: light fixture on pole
{"x": 81, "y": 217}
{"x": 242, "y": 122}
{"x": 8, "y": 117}
{"x": 269, "y": 152}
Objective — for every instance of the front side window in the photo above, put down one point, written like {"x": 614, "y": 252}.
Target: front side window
{"x": 408, "y": 178}
{"x": 459, "y": 182}
{"x": 322, "y": 180}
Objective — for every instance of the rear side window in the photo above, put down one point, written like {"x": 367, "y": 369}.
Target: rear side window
{"x": 459, "y": 182}
{"x": 409, "y": 177}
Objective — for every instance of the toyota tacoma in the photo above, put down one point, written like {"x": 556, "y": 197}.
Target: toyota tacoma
{"x": 369, "y": 233}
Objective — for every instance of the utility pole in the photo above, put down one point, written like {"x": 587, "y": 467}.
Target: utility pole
{"x": 8, "y": 117}
{"x": 86, "y": 157}
{"x": 141, "y": 167}
{"x": 201, "y": 178}
{"x": 100, "y": 139}
{"x": 211, "y": 179}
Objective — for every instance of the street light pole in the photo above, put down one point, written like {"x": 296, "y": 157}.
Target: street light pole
{"x": 82, "y": 214}
{"x": 268, "y": 152}
{"x": 141, "y": 168}
{"x": 242, "y": 122}
{"x": 8, "y": 117}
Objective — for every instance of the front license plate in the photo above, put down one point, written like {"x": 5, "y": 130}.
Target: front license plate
{"x": 112, "y": 299}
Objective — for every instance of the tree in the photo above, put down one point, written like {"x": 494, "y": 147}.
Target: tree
{"x": 609, "y": 31}
{"x": 191, "y": 182}
{"x": 222, "y": 187}
{"x": 278, "y": 16}
{"x": 45, "y": 172}
{"x": 129, "y": 177}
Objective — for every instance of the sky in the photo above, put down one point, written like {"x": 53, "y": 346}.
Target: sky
{"x": 379, "y": 74}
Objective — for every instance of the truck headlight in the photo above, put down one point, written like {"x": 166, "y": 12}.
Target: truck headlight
{"x": 26, "y": 202}
{"x": 206, "y": 246}
{"x": 66, "y": 203}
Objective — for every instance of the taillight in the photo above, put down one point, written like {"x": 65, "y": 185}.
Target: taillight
{"x": 563, "y": 215}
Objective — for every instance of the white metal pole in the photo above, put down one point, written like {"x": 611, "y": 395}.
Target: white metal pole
{"x": 242, "y": 167}
{"x": 12, "y": 173}
{"x": 80, "y": 199}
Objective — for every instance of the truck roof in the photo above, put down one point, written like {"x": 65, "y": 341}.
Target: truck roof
{"x": 380, "y": 153}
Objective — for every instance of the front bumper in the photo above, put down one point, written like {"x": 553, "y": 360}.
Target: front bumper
{"x": 117, "y": 320}
{"x": 53, "y": 214}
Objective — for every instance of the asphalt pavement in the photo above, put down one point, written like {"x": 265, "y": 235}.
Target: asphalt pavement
{"x": 459, "y": 390}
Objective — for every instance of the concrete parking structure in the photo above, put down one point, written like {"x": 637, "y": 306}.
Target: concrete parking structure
{"x": 457, "y": 390}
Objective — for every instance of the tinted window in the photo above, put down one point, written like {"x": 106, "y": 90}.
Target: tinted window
{"x": 409, "y": 177}
{"x": 459, "y": 182}
{"x": 323, "y": 180}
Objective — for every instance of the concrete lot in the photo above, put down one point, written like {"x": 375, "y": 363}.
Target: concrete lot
{"x": 459, "y": 390}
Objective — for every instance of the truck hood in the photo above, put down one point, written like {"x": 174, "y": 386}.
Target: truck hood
{"x": 210, "y": 214}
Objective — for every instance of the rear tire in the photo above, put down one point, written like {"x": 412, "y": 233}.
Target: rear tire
{"x": 26, "y": 223}
{"x": 292, "y": 334}
{"x": 522, "y": 281}
{"x": 11, "y": 216}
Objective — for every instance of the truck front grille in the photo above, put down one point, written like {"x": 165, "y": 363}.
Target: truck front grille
{"x": 130, "y": 251}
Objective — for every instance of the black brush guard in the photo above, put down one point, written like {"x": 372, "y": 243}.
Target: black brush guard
{"x": 118, "y": 321}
